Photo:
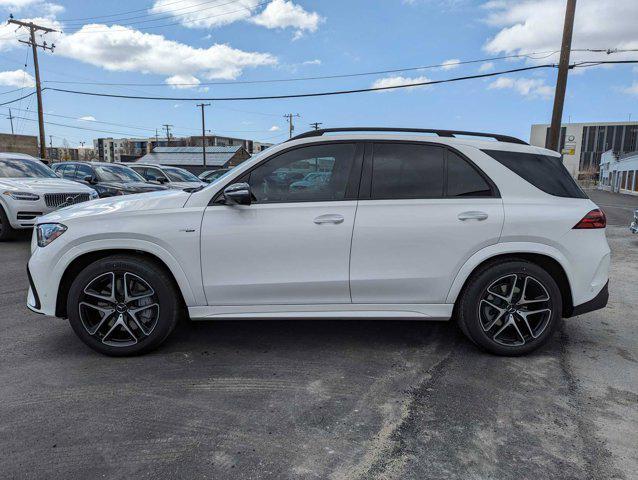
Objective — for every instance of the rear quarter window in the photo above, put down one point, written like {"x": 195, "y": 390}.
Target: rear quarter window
{"x": 545, "y": 172}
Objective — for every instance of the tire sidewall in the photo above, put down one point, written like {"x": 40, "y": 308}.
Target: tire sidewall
{"x": 150, "y": 273}
{"x": 476, "y": 289}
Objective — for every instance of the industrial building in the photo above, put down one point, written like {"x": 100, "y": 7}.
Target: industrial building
{"x": 619, "y": 172}
{"x": 582, "y": 144}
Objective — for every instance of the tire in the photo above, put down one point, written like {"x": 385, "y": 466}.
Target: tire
{"x": 488, "y": 317}
{"x": 7, "y": 232}
{"x": 113, "y": 324}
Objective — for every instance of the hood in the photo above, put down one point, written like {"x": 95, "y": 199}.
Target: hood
{"x": 44, "y": 185}
{"x": 159, "y": 200}
{"x": 132, "y": 186}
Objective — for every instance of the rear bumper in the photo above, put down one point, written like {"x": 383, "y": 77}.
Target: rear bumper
{"x": 596, "y": 303}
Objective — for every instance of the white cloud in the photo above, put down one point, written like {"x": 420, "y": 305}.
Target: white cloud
{"x": 529, "y": 87}
{"x": 633, "y": 90}
{"x": 486, "y": 67}
{"x": 274, "y": 128}
{"x": 277, "y": 14}
{"x": 87, "y": 118}
{"x": 450, "y": 64}
{"x": 537, "y": 25}
{"x": 17, "y": 78}
{"x": 399, "y": 80}
{"x": 124, "y": 49}
{"x": 286, "y": 14}
{"x": 316, "y": 61}
{"x": 182, "y": 82}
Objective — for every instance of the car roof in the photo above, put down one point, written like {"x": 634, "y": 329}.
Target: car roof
{"x": 411, "y": 137}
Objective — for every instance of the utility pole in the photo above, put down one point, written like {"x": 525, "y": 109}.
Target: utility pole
{"x": 10, "y": 117}
{"x": 167, "y": 127}
{"x": 34, "y": 47}
{"x": 156, "y": 137}
{"x": 561, "y": 80}
{"x": 291, "y": 126}
{"x": 316, "y": 125}
{"x": 203, "y": 106}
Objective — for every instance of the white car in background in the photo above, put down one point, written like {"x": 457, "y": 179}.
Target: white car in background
{"x": 495, "y": 234}
{"x": 30, "y": 189}
{"x": 172, "y": 177}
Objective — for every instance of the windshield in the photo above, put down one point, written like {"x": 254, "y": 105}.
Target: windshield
{"x": 23, "y": 168}
{"x": 180, "y": 175}
{"x": 117, "y": 173}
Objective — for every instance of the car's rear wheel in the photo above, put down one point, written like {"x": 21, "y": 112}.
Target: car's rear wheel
{"x": 123, "y": 305}
{"x": 6, "y": 231}
{"x": 510, "y": 307}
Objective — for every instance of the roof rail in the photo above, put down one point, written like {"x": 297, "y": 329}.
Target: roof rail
{"x": 440, "y": 133}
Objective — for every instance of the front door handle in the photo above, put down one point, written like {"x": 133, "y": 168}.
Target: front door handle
{"x": 473, "y": 215}
{"x": 329, "y": 218}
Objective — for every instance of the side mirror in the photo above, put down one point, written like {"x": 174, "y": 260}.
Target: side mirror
{"x": 90, "y": 179}
{"x": 161, "y": 180}
{"x": 238, "y": 194}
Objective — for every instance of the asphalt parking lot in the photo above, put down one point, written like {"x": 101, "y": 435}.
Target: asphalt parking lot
{"x": 324, "y": 399}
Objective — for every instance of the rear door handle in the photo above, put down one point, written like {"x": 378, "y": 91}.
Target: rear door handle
{"x": 329, "y": 218}
{"x": 473, "y": 215}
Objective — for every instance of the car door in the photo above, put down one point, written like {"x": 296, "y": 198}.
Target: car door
{"x": 290, "y": 246}
{"x": 68, "y": 171}
{"x": 423, "y": 211}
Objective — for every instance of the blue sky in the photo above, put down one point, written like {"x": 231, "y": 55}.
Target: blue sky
{"x": 181, "y": 45}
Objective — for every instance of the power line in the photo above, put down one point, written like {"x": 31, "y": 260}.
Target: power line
{"x": 321, "y": 77}
{"x": 337, "y": 92}
{"x": 114, "y": 14}
{"x": 303, "y": 95}
{"x": 179, "y": 22}
{"x": 166, "y": 14}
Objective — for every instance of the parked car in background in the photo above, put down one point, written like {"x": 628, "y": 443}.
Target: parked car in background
{"x": 634, "y": 225}
{"x": 211, "y": 175}
{"x": 108, "y": 179}
{"x": 313, "y": 180}
{"x": 29, "y": 189}
{"x": 493, "y": 233}
{"x": 172, "y": 177}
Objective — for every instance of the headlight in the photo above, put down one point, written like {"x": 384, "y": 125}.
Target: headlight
{"x": 22, "y": 196}
{"x": 93, "y": 195}
{"x": 47, "y": 232}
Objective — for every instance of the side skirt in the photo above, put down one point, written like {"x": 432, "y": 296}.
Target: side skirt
{"x": 368, "y": 311}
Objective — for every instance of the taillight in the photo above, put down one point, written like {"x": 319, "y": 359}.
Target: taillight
{"x": 594, "y": 219}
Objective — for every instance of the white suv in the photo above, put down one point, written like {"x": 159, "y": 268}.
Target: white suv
{"x": 30, "y": 189}
{"x": 495, "y": 234}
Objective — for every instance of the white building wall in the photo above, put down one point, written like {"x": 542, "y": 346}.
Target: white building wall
{"x": 619, "y": 174}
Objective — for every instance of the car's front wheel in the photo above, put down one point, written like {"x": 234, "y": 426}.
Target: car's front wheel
{"x": 123, "y": 305}
{"x": 510, "y": 307}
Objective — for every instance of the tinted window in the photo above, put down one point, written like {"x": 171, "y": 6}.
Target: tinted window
{"x": 180, "y": 175}
{"x": 402, "y": 170}
{"x": 83, "y": 171}
{"x": 545, "y": 172}
{"x": 116, "y": 173}
{"x": 285, "y": 177}
{"x": 152, "y": 173}
{"x": 463, "y": 180}
{"x": 22, "y": 168}
{"x": 67, "y": 171}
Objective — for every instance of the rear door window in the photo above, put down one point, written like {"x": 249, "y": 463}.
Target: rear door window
{"x": 545, "y": 172}
{"x": 407, "y": 171}
{"x": 463, "y": 180}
